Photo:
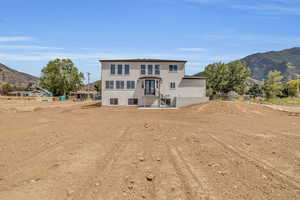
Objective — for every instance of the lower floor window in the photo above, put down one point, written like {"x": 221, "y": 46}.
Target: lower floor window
{"x": 114, "y": 101}
{"x": 132, "y": 101}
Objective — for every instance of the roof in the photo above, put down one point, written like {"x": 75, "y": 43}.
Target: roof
{"x": 194, "y": 77}
{"x": 143, "y": 60}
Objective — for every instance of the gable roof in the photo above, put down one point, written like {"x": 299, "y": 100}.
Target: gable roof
{"x": 143, "y": 60}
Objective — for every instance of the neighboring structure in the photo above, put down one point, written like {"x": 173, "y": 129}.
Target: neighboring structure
{"x": 33, "y": 91}
{"x": 150, "y": 83}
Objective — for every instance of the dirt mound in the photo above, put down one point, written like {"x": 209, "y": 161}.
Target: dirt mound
{"x": 230, "y": 108}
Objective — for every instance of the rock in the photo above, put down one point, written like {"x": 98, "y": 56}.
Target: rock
{"x": 70, "y": 192}
{"x": 150, "y": 177}
{"x": 146, "y": 125}
{"x": 223, "y": 173}
{"x": 141, "y": 158}
{"x": 97, "y": 184}
{"x": 158, "y": 159}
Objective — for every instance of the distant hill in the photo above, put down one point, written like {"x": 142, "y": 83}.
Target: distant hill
{"x": 287, "y": 61}
{"x": 13, "y": 77}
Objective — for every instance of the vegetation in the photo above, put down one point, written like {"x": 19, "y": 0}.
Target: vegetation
{"x": 223, "y": 78}
{"x": 97, "y": 86}
{"x": 255, "y": 91}
{"x": 61, "y": 77}
{"x": 6, "y": 88}
{"x": 293, "y": 88}
{"x": 273, "y": 86}
{"x": 288, "y": 101}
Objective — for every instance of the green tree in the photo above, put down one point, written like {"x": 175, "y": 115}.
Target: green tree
{"x": 294, "y": 87}
{"x": 255, "y": 91}
{"x": 6, "y": 88}
{"x": 61, "y": 77}
{"x": 273, "y": 86}
{"x": 223, "y": 78}
{"x": 97, "y": 86}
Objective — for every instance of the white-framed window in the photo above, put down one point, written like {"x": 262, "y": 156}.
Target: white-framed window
{"x": 119, "y": 85}
{"x": 157, "y": 70}
{"x": 130, "y": 84}
{"x": 150, "y": 69}
{"x": 109, "y": 84}
{"x": 127, "y": 69}
{"x": 133, "y": 101}
{"x": 120, "y": 69}
{"x": 113, "y": 101}
{"x": 173, "y": 68}
{"x": 172, "y": 85}
{"x": 112, "y": 69}
{"x": 143, "y": 69}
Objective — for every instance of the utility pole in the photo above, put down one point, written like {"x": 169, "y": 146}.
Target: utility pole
{"x": 88, "y": 76}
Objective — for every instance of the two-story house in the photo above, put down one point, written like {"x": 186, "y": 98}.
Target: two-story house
{"x": 150, "y": 83}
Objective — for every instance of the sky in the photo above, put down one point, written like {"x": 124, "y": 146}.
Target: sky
{"x": 32, "y": 32}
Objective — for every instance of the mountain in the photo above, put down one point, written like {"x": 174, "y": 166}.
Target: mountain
{"x": 13, "y": 77}
{"x": 287, "y": 61}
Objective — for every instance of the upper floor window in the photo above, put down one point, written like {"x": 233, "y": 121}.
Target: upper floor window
{"x": 157, "y": 70}
{"x": 173, "y": 68}
{"x": 119, "y": 84}
{"x": 127, "y": 69}
{"x": 150, "y": 69}
{"x": 109, "y": 84}
{"x": 130, "y": 84}
{"x": 172, "y": 85}
{"x": 120, "y": 70}
{"x": 143, "y": 69}
{"x": 112, "y": 69}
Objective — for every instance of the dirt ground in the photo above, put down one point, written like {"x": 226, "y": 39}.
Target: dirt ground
{"x": 216, "y": 150}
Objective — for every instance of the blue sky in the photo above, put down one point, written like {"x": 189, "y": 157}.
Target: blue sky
{"x": 32, "y": 32}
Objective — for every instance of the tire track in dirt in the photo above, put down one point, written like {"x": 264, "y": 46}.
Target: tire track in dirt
{"x": 193, "y": 187}
{"x": 90, "y": 187}
{"x": 258, "y": 163}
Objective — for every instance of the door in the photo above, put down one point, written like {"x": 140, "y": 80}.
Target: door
{"x": 149, "y": 87}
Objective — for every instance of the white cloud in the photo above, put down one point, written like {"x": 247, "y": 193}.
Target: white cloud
{"x": 32, "y": 47}
{"x": 15, "y": 39}
{"x": 192, "y": 49}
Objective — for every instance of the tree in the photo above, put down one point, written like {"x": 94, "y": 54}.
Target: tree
{"x": 61, "y": 77}
{"x": 255, "y": 91}
{"x": 223, "y": 78}
{"x": 6, "y": 88}
{"x": 294, "y": 87}
{"x": 97, "y": 86}
{"x": 273, "y": 86}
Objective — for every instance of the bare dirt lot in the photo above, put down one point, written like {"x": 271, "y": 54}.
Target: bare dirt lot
{"x": 216, "y": 150}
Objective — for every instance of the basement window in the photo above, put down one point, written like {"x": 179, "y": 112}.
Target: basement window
{"x": 114, "y": 101}
{"x": 132, "y": 101}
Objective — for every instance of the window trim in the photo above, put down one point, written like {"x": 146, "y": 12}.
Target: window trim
{"x": 171, "y": 84}
{"x": 109, "y": 85}
{"x": 157, "y": 69}
{"x": 148, "y": 69}
{"x": 172, "y": 68}
{"x": 131, "y": 83}
{"x": 121, "y": 86}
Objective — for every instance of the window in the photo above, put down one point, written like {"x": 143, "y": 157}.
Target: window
{"x": 127, "y": 68}
{"x": 114, "y": 101}
{"x": 119, "y": 84}
{"x": 113, "y": 69}
{"x": 150, "y": 69}
{"x": 173, "y": 68}
{"x": 132, "y": 101}
{"x": 172, "y": 85}
{"x": 120, "y": 69}
{"x": 143, "y": 69}
{"x": 109, "y": 84}
{"x": 130, "y": 84}
{"x": 157, "y": 70}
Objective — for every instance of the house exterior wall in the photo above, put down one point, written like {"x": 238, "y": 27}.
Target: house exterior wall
{"x": 184, "y": 88}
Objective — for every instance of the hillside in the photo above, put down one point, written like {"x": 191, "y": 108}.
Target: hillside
{"x": 287, "y": 61}
{"x": 13, "y": 77}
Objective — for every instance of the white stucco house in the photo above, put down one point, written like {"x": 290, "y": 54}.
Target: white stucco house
{"x": 150, "y": 83}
